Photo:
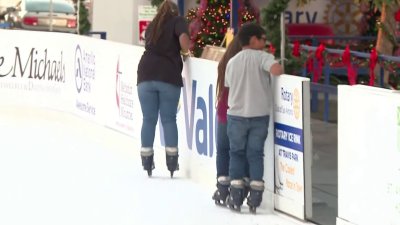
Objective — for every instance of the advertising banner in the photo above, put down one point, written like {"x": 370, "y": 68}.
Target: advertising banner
{"x": 124, "y": 112}
{"x": 96, "y": 80}
{"x": 36, "y": 73}
{"x": 291, "y": 127}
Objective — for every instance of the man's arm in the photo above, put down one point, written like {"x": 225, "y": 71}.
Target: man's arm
{"x": 276, "y": 69}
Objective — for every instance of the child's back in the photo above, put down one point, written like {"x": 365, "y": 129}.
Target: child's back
{"x": 249, "y": 81}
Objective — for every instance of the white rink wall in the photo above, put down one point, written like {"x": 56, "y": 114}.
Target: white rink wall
{"x": 96, "y": 80}
{"x": 368, "y": 155}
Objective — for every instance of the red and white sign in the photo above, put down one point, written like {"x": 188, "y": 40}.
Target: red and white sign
{"x": 146, "y": 14}
{"x": 142, "y": 29}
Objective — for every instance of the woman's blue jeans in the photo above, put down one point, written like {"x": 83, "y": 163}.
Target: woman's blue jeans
{"x": 246, "y": 138}
{"x": 159, "y": 97}
{"x": 223, "y": 151}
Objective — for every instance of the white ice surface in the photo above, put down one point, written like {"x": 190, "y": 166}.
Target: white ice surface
{"x": 57, "y": 169}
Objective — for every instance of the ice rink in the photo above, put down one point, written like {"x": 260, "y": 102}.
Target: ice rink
{"x": 57, "y": 169}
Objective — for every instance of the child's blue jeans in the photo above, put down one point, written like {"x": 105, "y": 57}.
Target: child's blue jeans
{"x": 246, "y": 138}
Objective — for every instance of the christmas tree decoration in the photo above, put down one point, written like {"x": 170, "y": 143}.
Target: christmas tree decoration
{"x": 209, "y": 22}
{"x": 84, "y": 24}
{"x": 156, "y": 2}
{"x": 351, "y": 72}
{"x": 271, "y": 16}
{"x": 373, "y": 60}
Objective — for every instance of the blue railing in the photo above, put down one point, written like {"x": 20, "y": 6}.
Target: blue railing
{"x": 102, "y": 34}
{"x": 5, "y": 25}
{"x": 326, "y": 87}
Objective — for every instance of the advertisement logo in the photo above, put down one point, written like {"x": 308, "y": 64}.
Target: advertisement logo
{"x": 78, "y": 69}
{"x": 32, "y": 69}
{"x": 38, "y": 65}
{"x": 85, "y": 76}
{"x": 296, "y": 103}
{"x": 344, "y": 16}
{"x": 84, "y": 68}
{"x": 290, "y": 103}
{"x": 124, "y": 95}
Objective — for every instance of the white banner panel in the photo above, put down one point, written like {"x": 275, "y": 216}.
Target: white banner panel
{"x": 368, "y": 155}
{"x": 123, "y": 112}
{"x": 290, "y": 109}
{"x": 96, "y": 80}
{"x": 35, "y": 73}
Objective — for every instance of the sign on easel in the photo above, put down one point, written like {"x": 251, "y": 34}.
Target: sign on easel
{"x": 292, "y": 146}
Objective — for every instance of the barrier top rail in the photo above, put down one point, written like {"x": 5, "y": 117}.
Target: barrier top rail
{"x": 327, "y": 88}
{"x": 324, "y": 37}
{"x": 355, "y": 53}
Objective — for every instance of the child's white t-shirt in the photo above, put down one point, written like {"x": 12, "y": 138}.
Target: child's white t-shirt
{"x": 248, "y": 78}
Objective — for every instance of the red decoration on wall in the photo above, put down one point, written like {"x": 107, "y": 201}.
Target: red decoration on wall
{"x": 310, "y": 64}
{"x": 271, "y": 49}
{"x": 351, "y": 72}
{"x": 296, "y": 49}
{"x": 397, "y": 16}
{"x": 319, "y": 55}
{"x": 373, "y": 59}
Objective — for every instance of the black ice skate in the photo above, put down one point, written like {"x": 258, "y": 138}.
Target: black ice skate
{"x": 235, "y": 199}
{"x": 147, "y": 155}
{"x": 246, "y": 187}
{"x": 221, "y": 194}
{"x": 172, "y": 159}
{"x": 255, "y": 197}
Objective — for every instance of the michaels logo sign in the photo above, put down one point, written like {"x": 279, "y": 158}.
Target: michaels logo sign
{"x": 37, "y": 64}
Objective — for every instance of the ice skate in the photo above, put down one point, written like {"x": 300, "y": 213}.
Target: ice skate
{"x": 255, "y": 197}
{"x": 147, "y": 155}
{"x": 235, "y": 199}
{"x": 221, "y": 194}
{"x": 172, "y": 159}
{"x": 246, "y": 187}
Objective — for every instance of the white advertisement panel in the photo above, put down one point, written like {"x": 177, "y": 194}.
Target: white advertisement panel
{"x": 290, "y": 132}
{"x": 123, "y": 111}
{"x": 96, "y": 80}
{"x": 368, "y": 155}
{"x": 36, "y": 73}
{"x": 197, "y": 117}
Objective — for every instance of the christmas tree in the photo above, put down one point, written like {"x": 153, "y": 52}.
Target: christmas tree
{"x": 84, "y": 24}
{"x": 156, "y": 2}
{"x": 210, "y": 21}
{"x": 271, "y": 22}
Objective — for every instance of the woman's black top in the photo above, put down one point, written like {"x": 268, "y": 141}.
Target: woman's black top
{"x": 162, "y": 61}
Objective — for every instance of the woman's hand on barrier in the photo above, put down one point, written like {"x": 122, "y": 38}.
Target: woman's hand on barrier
{"x": 185, "y": 55}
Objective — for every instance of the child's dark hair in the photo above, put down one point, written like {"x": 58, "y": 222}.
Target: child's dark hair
{"x": 233, "y": 48}
{"x": 249, "y": 30}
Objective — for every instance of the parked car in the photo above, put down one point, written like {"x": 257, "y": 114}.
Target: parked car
{"x": 43, "y": 15}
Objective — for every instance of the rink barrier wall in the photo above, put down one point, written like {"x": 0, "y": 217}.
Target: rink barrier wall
{"x": 96, "y": 80}
{"x": 368, "y": 155}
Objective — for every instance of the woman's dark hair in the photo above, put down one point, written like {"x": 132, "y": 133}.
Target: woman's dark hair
{"x": 233, "y": 48}
{"x": 166, "y": 10}
{"x": 249, "y": 30}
